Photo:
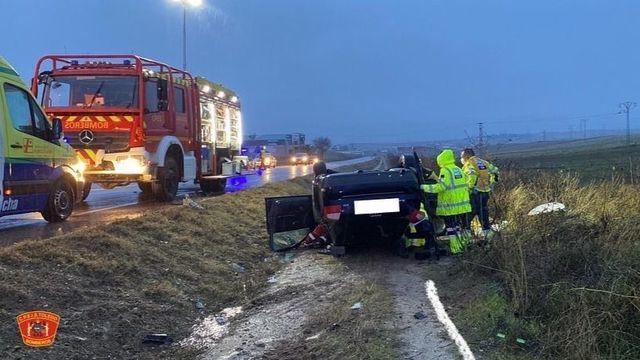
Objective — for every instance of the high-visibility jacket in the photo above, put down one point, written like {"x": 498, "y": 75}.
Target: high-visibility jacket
{"x": 452, "y": 190}
{"x": 480, "y": 174}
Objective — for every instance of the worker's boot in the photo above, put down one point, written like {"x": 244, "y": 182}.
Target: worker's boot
{"x": 455, "y": 244}
{"x": 488, "y": 234}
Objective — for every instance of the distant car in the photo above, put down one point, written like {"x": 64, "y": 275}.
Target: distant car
{"x": 270, "y": 161}
{"x": 303, "y": 159}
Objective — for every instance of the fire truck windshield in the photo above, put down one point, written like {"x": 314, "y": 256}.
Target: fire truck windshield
{"x": 92, "y": 92}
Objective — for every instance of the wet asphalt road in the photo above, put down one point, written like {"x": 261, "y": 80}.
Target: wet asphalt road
{"x": 104, "y": 205}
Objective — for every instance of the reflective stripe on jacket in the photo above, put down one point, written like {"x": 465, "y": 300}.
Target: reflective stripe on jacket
{"x": 452, "y": 188}
{"x": 480, "y": 174}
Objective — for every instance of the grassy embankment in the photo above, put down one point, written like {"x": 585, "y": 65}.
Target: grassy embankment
{"x": 114, "y": 283}
{"x": 568, "y": 283}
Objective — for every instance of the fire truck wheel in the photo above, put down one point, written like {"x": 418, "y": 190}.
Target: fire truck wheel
{"x": 166, "y": 188}
{"x": 60, "y": 203}
{"x": 86, "y": 191}
{"x": 145, "y": 187}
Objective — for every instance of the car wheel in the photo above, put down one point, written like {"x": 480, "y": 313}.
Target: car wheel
{"x": 60, "y": 202}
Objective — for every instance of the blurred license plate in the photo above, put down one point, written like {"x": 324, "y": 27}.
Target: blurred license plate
{"x": 382, "y": 206}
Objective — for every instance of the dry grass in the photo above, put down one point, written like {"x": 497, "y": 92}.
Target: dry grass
{"x": 574, "y": 276}
{"x": 114, "y": 283}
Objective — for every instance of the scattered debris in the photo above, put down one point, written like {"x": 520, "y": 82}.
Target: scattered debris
{"x": 316, "y": 336}
{"x": 521, "y": 341}
{"x": 420, "y": 315}
{"x": 272, "y": 280}
{"x": 501, "y": 335}
{"x": 157, "y": 339}
{"x": 334, "y": 326}
{"x": 199, "y": 305}
{"x": 187, "y": 201}
{"x": 221, "y": 319}
{"x": 547, "y": 208}
{"x": 287, "y": 257}
{"x": 356, "y": 306}
{"x": 237, "y": 268}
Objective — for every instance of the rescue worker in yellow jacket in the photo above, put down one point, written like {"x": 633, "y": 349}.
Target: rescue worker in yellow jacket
{"x": 481, "y": 177}
{"x": 453, "y": 199}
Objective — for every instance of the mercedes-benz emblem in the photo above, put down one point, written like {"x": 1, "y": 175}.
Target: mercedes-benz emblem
{"x": 86, "y": 136}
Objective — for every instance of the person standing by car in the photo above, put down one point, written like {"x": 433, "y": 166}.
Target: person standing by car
{"x": 481, "y": 176}
{"x": 453, "y": 199}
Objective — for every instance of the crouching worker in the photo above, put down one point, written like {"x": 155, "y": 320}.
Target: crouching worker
{"x": 421, "y": 236}
{"x": 453, "y": 200}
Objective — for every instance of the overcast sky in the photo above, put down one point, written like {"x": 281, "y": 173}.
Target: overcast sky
{"x": 374, "y": 70}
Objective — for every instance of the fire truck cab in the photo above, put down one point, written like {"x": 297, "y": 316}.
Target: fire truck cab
{"x": 133, "y": 119}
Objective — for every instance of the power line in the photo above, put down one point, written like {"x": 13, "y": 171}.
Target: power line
{"x": 625, "y": 108}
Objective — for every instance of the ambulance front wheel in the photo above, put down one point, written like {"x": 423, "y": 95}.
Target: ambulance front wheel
{"x": 86, "y": 190}
{"x": 145, "y": 187}
{"x": 60, "y": 202}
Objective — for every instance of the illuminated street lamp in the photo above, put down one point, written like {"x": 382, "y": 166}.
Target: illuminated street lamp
{"x": 185, "y": 5}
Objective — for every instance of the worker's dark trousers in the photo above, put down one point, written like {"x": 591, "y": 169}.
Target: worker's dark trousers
{"x": 480, "y": 208}
{"x": 457, "y": 222}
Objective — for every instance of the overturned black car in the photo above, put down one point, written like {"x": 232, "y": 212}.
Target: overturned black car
{"x": 357, "y": 207}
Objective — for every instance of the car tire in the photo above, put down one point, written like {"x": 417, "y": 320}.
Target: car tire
{"x": 166, "y": 187}
{"x": 60, "y": 202}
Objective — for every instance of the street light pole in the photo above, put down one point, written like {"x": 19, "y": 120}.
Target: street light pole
{"x": 626, "y": 107}
{"x": 184, "y": 36}
{"x": 185, "y": 4}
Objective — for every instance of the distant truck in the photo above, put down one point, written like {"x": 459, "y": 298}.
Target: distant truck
{"x": 38, "y": 171}
{"x": 137, "y": 120}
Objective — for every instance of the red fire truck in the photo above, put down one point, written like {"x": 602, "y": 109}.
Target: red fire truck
{"x": 133, "y": 119}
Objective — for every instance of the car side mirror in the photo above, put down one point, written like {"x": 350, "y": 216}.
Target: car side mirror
{"x": 56, "y": 129}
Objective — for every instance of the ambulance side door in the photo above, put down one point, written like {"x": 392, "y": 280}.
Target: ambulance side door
{"x": 3, "y": 147}
{"x": 29, "y": 157}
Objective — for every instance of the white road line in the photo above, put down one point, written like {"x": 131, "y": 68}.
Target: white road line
{"x": 441, "y": 313}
